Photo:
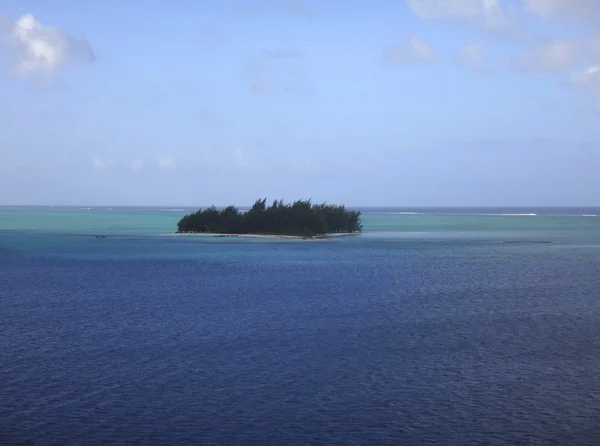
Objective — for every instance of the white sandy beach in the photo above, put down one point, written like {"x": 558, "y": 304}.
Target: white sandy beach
{"x": 271, "y": 236}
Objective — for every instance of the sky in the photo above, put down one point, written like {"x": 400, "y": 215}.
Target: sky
{"x": 365, "y": 103}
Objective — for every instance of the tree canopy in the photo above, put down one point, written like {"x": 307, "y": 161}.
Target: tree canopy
{"x": 300, "y": 218}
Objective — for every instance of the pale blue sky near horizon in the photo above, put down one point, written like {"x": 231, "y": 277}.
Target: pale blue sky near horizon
{"x": 397, "y": 103}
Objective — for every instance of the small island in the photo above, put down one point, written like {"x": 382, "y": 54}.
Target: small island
{"x": 300, "y": 219}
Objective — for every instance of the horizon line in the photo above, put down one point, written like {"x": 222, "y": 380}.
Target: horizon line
{"x": 184, "y": 207}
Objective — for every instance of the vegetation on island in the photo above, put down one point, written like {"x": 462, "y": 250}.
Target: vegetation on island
{"x": 300, "y": 218}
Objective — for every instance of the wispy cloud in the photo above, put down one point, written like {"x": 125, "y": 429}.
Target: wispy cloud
{"x": 38, "y": 48}
{"x": 580, "y": 11}
{"x": 166, "y": 163}
{"x": 414, "y": 50}
{"x": 490, "y": 14}
{"x": 100, "y": 163}
{"x": 550, "y": 56}
{"x": 588, "y": 79}
{"x": 278, "y": 73}
{"x": 530, "y": 36}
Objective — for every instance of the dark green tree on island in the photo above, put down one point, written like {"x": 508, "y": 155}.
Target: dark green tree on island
{"x": 300, "y": 218}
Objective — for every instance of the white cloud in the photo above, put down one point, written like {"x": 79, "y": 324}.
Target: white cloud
{"x": 493, "y": 14}
{"x": 102, "y": 163}
{"x": 539, "y": 33}
{"x": 416, "y": 50}
{"x": 39, "y": 48}
{"x": 166, "y": 163}
{"x": 588, "y": 79}
{"x": 581, "y": 13}
{"x": 551, "y": 56}
{"x": 137, "y": 165}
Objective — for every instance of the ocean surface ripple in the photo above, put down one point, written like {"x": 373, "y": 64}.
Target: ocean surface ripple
{"x": 361, "y": 342}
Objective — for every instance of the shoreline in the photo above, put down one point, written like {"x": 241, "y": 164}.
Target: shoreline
{"x": 268, "y": 236}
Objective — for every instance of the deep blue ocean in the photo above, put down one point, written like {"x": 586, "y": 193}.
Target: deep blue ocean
{"x": 444, "y": 334}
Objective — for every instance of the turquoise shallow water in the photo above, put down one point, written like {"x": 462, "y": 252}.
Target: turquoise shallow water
{"x": 435, "y": 333}
{"x": 561, "y": 223}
